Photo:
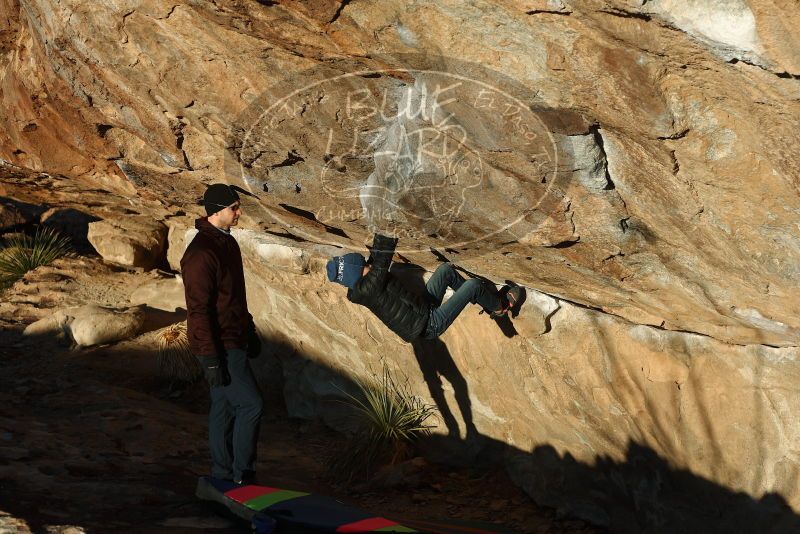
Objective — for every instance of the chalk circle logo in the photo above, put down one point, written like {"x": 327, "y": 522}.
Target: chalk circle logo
{"x": 439, "y": 157}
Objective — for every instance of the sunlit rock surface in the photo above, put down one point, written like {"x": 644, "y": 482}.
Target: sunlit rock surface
{"x": 633, "y": 163}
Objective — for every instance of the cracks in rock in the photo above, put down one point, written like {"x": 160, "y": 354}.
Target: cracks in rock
{"x": 783, "y": 75}
{"x": 662, "y": 327}
{"x": 678, "y": 135}
{"x": 342, "y": 5}
{"x": 547, "y": 12}
{"x": 594, "y": 130}
{"x": 286, "y": 235}
{"x": 439, "y": 256}
{"x": 124, "y": 20}
{"x": 627, "y": 14}
{"x": 176, "y": 125}
{"x": 177, "y": 131}
{"x": 676, "y": 166}
{"x": 313, "y": 218}
{"x": 619, "y": 254}
{"x": 676, "y": 169}
{"x": 168, "y": 15}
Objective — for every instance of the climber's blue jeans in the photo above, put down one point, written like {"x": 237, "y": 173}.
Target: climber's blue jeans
{"x": 234, "y": 420}
{"x": 474, "y": 291}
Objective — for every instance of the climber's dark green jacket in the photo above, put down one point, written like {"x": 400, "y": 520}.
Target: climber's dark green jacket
{"x": 404, "y": 312}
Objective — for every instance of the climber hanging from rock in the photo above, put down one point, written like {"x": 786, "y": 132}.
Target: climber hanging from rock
{"x": 407, "y": 314}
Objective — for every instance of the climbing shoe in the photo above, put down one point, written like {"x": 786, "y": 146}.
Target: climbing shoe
{"x": 509, "y": 296}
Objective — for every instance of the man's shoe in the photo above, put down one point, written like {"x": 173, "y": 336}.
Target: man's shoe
{"x": 246, "y": 480}
{"x": 509, "y": 296}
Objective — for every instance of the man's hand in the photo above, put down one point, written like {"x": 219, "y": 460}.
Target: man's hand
{"x": 384, "y": 243}
{"x": 253, "y": 344}
{"x": 216, "y": 373}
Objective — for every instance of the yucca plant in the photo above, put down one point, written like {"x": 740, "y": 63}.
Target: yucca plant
{"x": 175, "y": 359}
{"x": 22, "y": 253}
{"x": 390, "y": 418}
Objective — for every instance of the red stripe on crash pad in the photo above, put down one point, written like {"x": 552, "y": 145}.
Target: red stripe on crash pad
{"x": 366, "y": 525}
{"x": 245, "y": 493}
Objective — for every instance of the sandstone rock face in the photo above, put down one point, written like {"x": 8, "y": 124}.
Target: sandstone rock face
{"x": 632, "y": 163}
{"x": 176, "y": 239}
{"x": 760, "y": 32}
{"x": 570, "y": 386}
{"x": 137, "y": 241}
{"x": 90, "y": 325}
{"x": 666, "y": 243}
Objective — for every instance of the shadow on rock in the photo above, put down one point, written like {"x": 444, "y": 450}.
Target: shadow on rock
{"x": 435, "y": 362}
{"x": 156, "y": 319}
{"x": 72, "y": 223}
{"x": 641, "y": 492}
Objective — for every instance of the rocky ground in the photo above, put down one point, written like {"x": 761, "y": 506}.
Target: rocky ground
{"x": 94, "y": 439}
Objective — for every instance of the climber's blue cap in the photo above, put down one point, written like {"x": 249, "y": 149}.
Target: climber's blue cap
{"x": 347, "y": 269}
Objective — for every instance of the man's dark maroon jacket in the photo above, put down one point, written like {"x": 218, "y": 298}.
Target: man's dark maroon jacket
{"x": 216, "y": 302}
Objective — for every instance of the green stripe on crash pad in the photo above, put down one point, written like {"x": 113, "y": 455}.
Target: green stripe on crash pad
{"x": 373, "y": 524}
{"x": 265, "y": 501}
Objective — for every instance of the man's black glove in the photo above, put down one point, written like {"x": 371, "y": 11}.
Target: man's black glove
{"x": 253, "y": 344}
{"x": 383, "y": 243}
{"x": 215, "y": 371}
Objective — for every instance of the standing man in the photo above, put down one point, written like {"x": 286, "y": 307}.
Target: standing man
{"x": 223, "y": 336}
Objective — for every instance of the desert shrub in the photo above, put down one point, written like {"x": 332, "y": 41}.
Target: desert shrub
{"x": 175, "y": 360}
{"x": 22, "y": 253}
{"x": 390, "y": 419}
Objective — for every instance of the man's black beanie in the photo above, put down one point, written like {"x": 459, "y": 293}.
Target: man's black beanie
{"x": 218, "y": 197}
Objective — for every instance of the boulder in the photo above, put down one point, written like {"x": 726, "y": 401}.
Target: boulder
{"x": 54, "y": 324}
{"x": 135, "y": 241}
{"x": 165, "y": 294}
{"x": 91, "y": 324}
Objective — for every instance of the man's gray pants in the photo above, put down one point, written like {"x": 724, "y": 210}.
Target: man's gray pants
{"x": 234, "y": 421}
{"x": 465, "y": 291}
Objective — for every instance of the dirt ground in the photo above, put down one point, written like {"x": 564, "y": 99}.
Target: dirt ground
{"x": 94, "y": 440}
